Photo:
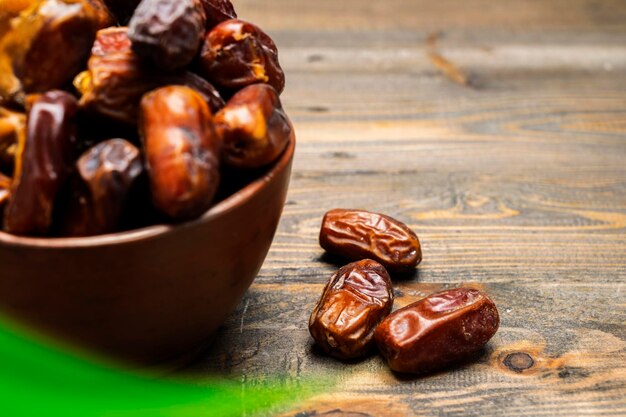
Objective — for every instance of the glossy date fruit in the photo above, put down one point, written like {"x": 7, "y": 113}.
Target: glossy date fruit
{"x": 44, "y": 160}
{"x": 254, "y": 127}
{"x": 358, "y": 234}
{"x": 355, "y": 300}
{"x": 442, "y": 329}
{"x": 116, "y": 79}
{"x": 237, "y": 53}
{"x": 105, "y": 176}
{"x": 218, "y": 11}
{"x": 29, "y": 62}
{"x": 182, "y": 151}
{"x": 168, "y": 32}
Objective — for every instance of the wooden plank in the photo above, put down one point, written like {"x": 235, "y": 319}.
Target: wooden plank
{"x": 514, "y": 181}
{"x": 572, "y": 15}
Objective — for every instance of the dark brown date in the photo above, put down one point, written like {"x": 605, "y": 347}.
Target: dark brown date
{"x": 105, "y": 175}
{"x": 218, "y": 11}
{"x": 254, "y": 127}
{"x": 116, "y": 80}
{"x": 44, "y": 159}
{"x": 29, "y": 58}
{"x": 442, "y": 329}
{"x": 355, "y": 300}
{"x": 12, "y": 126}
{"x": 358, "y": 234}
{"x": 168, "y": 32}
{"x": 182, "y": 151}
{"x": 237, "y": 53}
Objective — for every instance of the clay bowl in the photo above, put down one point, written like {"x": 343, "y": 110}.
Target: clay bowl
{"x": 150, "y": 296}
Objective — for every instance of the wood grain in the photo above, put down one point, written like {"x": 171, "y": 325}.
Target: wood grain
{"x": 517, "y": 185}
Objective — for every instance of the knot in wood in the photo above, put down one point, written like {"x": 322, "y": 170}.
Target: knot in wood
{"x": 518, "y": 361}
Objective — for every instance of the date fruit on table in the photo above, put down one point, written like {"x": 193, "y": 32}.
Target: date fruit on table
{"x": 355, "y": 300}
{"x": 359, "y": 234}
{"x": 440, "y": 330}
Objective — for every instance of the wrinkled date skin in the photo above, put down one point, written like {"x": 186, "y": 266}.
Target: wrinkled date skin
{"x": 116, "y": 80}
{"x": 29, "y": 60}
{"x": 218, "y": 11}
{"x": 254, "y": 127}
{"x": 105, "y": 175}
{"x": 44, "y": 160}
{"x": 237, "y": 53}
{"x": 442, "y": 329}
{"x": 12, "y": 127}
{"x": 358, "y": 234}
{"x": 182, "y": 151}
{"x": 355, "y": 300}
{"x": 168, "y": 32}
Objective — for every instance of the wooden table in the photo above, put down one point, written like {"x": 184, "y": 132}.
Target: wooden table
{"x": 497, "y": 131}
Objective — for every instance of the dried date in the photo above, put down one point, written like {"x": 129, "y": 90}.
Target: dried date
{"x": 28, "y": 60}
{"x": 105, "y": 176}
{"x": 358, "y": 234}
{"x": 182, "y": 151}
{"x": 44, "y": 159}
{"x": 218, "y": 11}
{"x": 355, "y": 300}
{"x": 168, "y": 32}
{"x": 116, "y": 79}
{"x": 237, "y": 53}
{"x": 254, "y": 127}
{"x": 442, "y": 329}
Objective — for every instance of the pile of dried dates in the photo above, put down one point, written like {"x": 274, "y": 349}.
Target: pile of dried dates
{"x": 354, "y": 311}
{"x": 116, "y": 114}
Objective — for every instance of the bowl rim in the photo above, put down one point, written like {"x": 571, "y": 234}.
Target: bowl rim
{"x": 149, "y": 232}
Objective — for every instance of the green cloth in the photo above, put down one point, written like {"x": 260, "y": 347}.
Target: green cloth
{"x": 37, "y": 380}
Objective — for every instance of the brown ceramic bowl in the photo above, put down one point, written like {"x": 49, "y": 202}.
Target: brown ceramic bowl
{"x": 152, "y": 295}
